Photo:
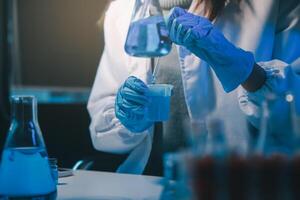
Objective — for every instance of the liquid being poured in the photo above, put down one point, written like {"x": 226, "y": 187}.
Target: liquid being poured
{"x": 148, "y": 38}
{"x": 25, "y": 172}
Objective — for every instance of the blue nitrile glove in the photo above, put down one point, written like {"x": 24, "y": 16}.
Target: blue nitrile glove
{"x": 130, "y": 105}
{"x": 231, "y": 64}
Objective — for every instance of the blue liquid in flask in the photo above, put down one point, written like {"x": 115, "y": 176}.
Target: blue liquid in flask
{"x": 148, "y": 38}
{"x": 25, "y": 174}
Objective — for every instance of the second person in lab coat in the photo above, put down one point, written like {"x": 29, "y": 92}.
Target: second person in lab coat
{"x": 267, "y": 31}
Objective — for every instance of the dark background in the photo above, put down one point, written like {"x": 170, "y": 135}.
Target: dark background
{"x": 4, "y": 115}
{"x": 59, "y": 41}
{"x": 51, "y": 49}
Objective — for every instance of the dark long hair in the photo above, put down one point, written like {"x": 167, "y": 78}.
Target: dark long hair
{"x": 209, "y": 8}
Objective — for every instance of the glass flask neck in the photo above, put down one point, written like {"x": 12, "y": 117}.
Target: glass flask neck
{"x": 24, "y": 129}
{"x": 24, "y": 109}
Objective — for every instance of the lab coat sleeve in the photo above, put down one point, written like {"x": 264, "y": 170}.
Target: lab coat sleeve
{"x": 283, "y": 72}
{"x": 107, "y": 133}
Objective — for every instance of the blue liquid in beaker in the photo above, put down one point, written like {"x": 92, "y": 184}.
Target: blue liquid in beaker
{"x": 25, "y": 173}
{"x": 159, "y": 108}
{"x": 148, "y": 38}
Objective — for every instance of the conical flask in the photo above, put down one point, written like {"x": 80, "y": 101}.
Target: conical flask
{"x": 24, "y": 169}
{"x": 148, "y": 35}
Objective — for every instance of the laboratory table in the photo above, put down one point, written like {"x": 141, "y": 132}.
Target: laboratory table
{"x": 94, "y": 185}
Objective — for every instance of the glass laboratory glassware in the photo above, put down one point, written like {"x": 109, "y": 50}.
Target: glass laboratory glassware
{"x": 158, "y": 108}
{"x": 148, "y": 35}
{"x": 54, "y": 168}
{"x": 179, "y": 164}
{"x": 275, "y": 148}
{"x": 294, "y": 170}
{"x": 176, "y": 176}
{"x": 209, "y": 169}
{"x": 25, "y": 172}
{"x": 276, "y": 128}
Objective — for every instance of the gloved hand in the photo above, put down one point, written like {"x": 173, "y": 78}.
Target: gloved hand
{"x": 130, "y": 105}
{"x": 231, "y": 64}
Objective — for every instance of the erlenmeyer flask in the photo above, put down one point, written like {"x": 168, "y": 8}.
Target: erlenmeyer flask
{"x": 24, "y": 169}
{"x": 148, "y": 35}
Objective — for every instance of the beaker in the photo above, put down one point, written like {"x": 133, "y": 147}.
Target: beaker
{"x": 159, "y": 107}
{"x": 24, "y": 169}
{"x": 148, "y": 35}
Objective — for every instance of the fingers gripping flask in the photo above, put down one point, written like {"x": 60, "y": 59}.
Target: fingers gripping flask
{"x": 148, "y": 35}
{"x": 24, "y": 168}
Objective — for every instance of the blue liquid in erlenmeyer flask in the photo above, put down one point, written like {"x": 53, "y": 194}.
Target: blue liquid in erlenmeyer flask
{"x": 148, "y": 38}
{"x": 26, "y": 171}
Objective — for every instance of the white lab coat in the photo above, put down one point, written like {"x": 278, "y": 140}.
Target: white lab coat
{"x": 269, "y": 28}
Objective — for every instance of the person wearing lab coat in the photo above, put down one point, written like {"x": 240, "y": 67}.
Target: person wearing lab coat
{"x": 269, "y": 30}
